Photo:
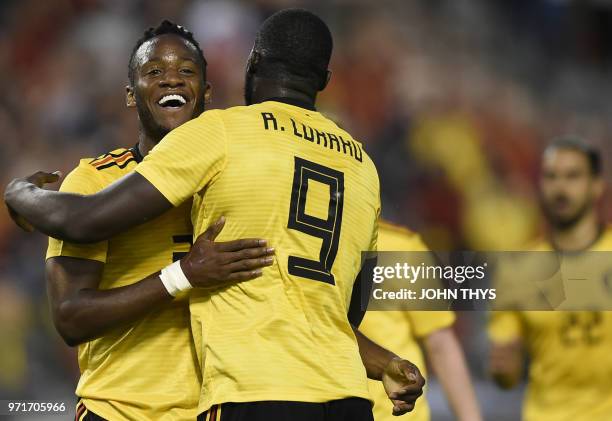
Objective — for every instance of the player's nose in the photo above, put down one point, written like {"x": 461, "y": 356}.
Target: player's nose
{"x": 171, "y": 78}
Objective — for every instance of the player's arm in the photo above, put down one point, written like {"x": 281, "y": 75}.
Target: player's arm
{"x": 507, "y": 363}
{"x": 506, "y": 354}
{"x": 446, "y": 358}
{"x": 402, "y": 380}
{"x": 82, "y": 312}
{"x": 79, "y": 218}
{"x": 179, "y": 166}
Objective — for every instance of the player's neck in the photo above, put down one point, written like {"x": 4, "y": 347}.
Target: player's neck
{"x": 273, "y": 90}
{"x": 145, "y": 144}
{"x": 580, "y": 236}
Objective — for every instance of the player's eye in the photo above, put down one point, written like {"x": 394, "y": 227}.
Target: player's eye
{"x": 187, "y": 71}
{"x": 153, "y": 72}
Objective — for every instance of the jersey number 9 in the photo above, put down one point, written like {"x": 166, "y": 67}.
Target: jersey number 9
{"x": 327, "y": 230}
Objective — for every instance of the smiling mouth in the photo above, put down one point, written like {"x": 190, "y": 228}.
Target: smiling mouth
{"x": 173, "y": 101}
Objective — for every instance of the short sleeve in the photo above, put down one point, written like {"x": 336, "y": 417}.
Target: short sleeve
{"x": 417, "y": 244}
{"x": 83, "y": 180}
{"x": 504, "y": 326}
{"x": 187, "y": 158}
{"x": 424, "y": 323}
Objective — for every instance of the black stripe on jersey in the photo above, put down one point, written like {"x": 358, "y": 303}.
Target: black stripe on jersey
{"x": 80, "y": 409}
{"x": 181, "y": 239}
{"x": 112, "y": 163}
{"x": 106, "y": 155}
{"x": 185, "y": 238}
{"x": 136, "y": 152}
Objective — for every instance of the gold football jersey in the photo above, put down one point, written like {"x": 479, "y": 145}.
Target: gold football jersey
{"x": 147, "y": 370}
{"x": 570, "y": 366}
{"x": 400, "y": 331}
{"x": 293, "y": 177}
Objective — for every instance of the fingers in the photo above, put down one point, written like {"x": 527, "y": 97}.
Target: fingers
{"x": 244, "y": 276}
{"x": 41, "y": 178}
{"x": 249, "y": 253}
{"x": 50, "y": 177}
{"x": 237, "y": 245}
{"x": 403, "y": 396}
{"x": 400, "y": 408}
{"x": 414, "y": 388}
{"x": 213, "y": 231}
{"x": 412, "y": 374}
{"x": 407, "y": 390}
{"x": 250, "y": 264}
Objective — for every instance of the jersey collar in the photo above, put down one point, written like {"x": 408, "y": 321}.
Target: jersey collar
{"x": 136, "y": 153}
{"x": 593, "y": 244}
{"x": 292, "y": 101}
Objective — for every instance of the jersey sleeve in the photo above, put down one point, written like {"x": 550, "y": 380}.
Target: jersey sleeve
{"x": 83, "y": 180}
{"x": 424, "y": 323}
{"x": 187, "y": 158}
{"x": 504, "y": 326}
{"x": 417, "y": 244}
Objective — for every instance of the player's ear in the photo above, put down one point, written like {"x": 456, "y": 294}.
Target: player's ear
{"x": 130, "y": 99}
{"x": 208, "y": 93}
{"x": 253, "y": 61}
{"x": 325, "y": 81}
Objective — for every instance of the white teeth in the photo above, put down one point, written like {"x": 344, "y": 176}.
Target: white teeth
{"x": 173, "y": 97}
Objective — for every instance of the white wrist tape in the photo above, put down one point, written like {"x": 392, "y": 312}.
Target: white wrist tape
{"x": 174, "y": 279}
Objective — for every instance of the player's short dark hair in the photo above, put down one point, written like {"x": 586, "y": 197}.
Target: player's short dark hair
{"x": 295, "y": 43}
{"x": 166, "y": 27}
{"x": 592, "y": 154}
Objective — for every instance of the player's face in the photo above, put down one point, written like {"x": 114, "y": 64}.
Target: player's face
{"x": 169, "y": 86}
{"x": 568, "y": 187}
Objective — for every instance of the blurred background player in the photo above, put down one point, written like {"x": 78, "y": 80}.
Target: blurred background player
{"x": 136, "y": 352}
{"x": 570, "y": 364}
{"x": 414, "y": 333}
{"x": 220, "y": 157}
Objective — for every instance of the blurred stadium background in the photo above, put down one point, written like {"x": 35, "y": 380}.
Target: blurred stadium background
{"x": 453, "y": 99}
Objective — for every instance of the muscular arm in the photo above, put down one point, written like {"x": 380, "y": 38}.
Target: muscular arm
{"x": 130, "y": 201}
{"x": 401, "y": 379}
{"x": 447, "y": 361}
{"x": 82, "y": 312}
{"x": 375, "y": 358}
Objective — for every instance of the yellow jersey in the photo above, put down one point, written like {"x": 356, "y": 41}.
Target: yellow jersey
{"x": 570, "y": 366}
{"x": 147, "y": 370}
{"x": 293, "y": 177}
{"x": 383, "y": 327}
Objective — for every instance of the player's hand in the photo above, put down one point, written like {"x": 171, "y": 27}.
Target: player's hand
{"x": 212, "y": 264}
{"x": 39, "y": 179}
{"x": 403, "y": 383}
